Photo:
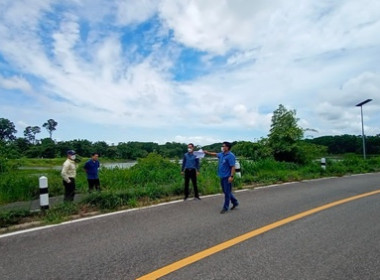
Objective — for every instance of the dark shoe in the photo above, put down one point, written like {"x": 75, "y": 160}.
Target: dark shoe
{"x": 234, "y": 206}
{"x": 197, "y": 198}
{"x": 223, "y": 211}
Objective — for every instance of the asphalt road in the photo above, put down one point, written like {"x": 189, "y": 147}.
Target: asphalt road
{"x": 342, "y": 242}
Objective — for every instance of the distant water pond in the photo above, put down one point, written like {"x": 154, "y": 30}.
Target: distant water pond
{"x": 108, "y": 165}
{"x": 118, "y": 164}
{"x": 103, "y": 165}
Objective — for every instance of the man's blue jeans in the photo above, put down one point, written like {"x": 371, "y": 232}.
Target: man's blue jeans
{"x": 228, "y": 196}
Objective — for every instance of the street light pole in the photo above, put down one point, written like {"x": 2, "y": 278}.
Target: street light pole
{"x": 361, "y": 111}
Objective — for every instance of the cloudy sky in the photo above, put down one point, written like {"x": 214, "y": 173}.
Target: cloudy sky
{"x": 200, "y": 71}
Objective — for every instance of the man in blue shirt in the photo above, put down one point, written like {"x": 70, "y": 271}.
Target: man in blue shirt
{"x": 91, "y": 167}
{"x": 226, "y": 172}
{"x": 190, "y": 169}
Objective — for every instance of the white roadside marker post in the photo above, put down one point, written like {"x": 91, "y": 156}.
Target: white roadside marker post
{"x": 44, "y": 193}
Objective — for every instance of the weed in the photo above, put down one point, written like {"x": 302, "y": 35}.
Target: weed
{"x": 13, "y": 217}
{"x": 59, "y": 213}
{"x": 152, "y": 179}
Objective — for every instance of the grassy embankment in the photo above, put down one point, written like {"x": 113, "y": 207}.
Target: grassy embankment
{"x": 151, "y": 180}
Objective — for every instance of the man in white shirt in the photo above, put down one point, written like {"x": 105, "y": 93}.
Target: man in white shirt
{"x": 69, "y": 171}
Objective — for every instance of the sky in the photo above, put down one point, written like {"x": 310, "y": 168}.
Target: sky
{"x": 200, "y": 71}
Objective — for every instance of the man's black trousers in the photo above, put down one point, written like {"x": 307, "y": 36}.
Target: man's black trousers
{"x": 69, "y": 190}
{"x": 191, "y": 174}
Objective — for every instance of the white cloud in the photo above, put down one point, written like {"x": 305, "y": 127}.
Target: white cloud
{"x": 218, "y": 26}
{"x": 22, "y": 124}
{"x": 134, "y": 12}
{"x": 337, "y": 114}
{"x": 316, "y": 57}
{"x": 15, "y": 82}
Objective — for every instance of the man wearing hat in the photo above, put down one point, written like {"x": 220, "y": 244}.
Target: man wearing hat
{"x": 69, "y": 171}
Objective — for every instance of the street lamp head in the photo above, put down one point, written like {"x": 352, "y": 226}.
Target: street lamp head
{"x": 364, "y": 102}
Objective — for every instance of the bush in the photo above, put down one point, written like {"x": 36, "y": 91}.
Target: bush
{"x": 59, "y": 213}
{"x": 15, "y": 187}
{"x": 107, "y": 200}
{"x": 3, "y": 165}
{"x": 13, "y": 217}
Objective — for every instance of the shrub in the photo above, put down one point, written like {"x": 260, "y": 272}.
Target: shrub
{"x": 13, "y": 217}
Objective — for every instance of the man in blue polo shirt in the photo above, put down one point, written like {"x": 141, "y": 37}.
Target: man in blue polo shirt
{"x": 226, "y": 172}
{"x": 91, "y": 167}
{"x": 190, "y": 169}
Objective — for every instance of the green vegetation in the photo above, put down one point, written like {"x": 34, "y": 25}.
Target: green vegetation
{"x": 13, "y": 217}
{"x": 154, "y": 179}
{"x": 281, "y": 157}
{"x": 284, "y": 143}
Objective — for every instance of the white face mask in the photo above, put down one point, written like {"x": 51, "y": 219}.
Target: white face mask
{"x": 73, "y": 157}
{"x": 222, "y": 149}
{"x": 189, "y": 150}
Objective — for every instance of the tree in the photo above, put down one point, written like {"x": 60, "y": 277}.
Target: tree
{"x": 50, "y": 126}
{"x": 172, "y": 149}
{"x": 101, "y": 148}
{"x": 284, "y": 134}
{"x": 340, "y": 144}
{"x": 244, "y": 149}
{"x": 7, "y": 129}
{"x": 47, "y": 148}
{"x": 82, "y": 147}
{"x": 373, "y": 144}
{"x": 254, "y": 151}
{"x": 30, "y": 133}
{"x": 21, "y": 145}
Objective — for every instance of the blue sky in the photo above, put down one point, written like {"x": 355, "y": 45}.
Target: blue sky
{"x": 201, "y": 71}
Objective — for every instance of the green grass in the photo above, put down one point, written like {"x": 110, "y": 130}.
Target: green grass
{"x": 37, "y": 162}
{"x": 13, "y": 217}
{"x": 154, "y": 179}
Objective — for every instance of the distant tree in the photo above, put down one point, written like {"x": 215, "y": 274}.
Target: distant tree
{"x": 131, "y": 150}
{"x": 342, "y": 144}
{"x": 30, "y": 133}
{"x": 172, "y": 150}
{"x": 22, "y": 145}
{"x": 101, "y": 148}
{"x": 9, "y": 150}
{"x": 244, "y": 149}
{"x": 306, "y": 152}
{"x": 111, "y": 152}
{"x": 82, "y": 147}
{"x": 50, "y": 126}
{"x": 373, "y": 144}
{"x": 7, "y": 130}
{"x": 212, "y": 147}
{"x": 36, "y": 130}
{"x": 255, "y": 151}
{"x": 284, "y": 134}
{"x": 47, "y": 148}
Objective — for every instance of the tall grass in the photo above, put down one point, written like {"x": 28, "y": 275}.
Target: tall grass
{"x": 269, "y": 171}
{"x": 156, "y": 178}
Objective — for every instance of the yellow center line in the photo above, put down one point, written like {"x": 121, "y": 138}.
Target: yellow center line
{"x": 227, "y": 244}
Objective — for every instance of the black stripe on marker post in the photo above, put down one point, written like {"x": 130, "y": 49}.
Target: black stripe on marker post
{"x": 44, "y": 191}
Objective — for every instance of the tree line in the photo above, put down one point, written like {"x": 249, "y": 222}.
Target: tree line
{"x": 343, "y": 144}
{"x": 284, "y": 142}
{"x": 8, "y": 130}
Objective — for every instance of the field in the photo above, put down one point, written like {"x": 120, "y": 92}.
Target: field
{"x": 151, "y": 180}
